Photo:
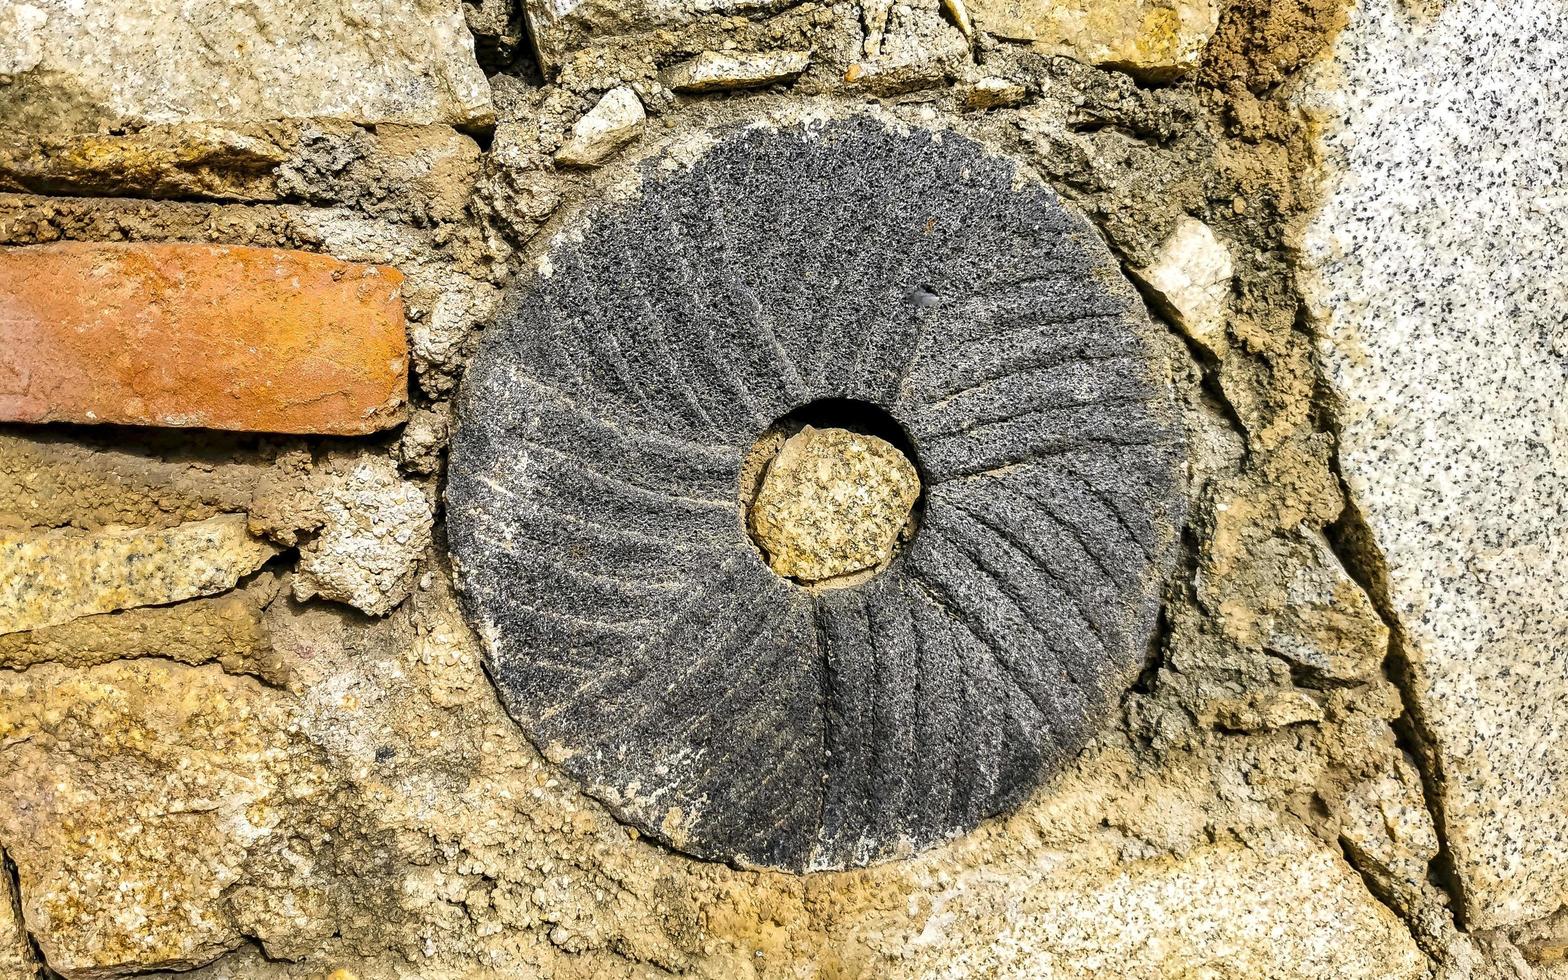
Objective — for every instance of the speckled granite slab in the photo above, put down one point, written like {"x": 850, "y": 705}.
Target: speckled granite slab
{"x": 1442, "y": 291}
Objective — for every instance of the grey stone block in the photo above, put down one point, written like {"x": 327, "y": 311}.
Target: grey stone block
{"x": 632, "y": 627}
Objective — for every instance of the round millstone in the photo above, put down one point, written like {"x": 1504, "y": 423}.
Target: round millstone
{"x": 832, "y": 506}
{"x": 634, "y": 629}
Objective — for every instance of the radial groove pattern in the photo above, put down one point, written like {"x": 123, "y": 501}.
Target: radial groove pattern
{"x": 634, "y": 631}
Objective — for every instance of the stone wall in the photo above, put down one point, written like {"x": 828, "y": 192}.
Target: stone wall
{"x": 248, "y": 726}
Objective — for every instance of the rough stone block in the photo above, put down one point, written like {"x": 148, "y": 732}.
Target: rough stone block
{"x": 1285, "y": 907}
{"x": 16, "y": 952}
{"x": 559, "y": 26}
{"x": 1190, "y": 278}
{"x": 1437, "y": 286}
{"x": 373, "y": 527}
{"x": 1154, "y": 39}
{"x": 215, "y": 336}
{"x": 78, "y": 65}
{"x": 612, "y": 123}
{"x": 227, "y": 629}
{"x": 174, "y": 778}
{"x": 633, "y": 627}
{"x": 53, "y": 577}
{"x": 833, "y": 503}
{"x": 713, "y": 71}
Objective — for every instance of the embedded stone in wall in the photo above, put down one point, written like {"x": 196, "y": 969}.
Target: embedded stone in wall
{"x": 226, "y": 629}
{"x": 1190, "y": 278}
{"x": 595, "y": 505}
{"x": 613, "y": 122}
{"x": 373, "y": 527}
{"x": 833, "y": 503}
{"x": 1154, "y": 39}
{"x": 910, "y": 46}
{"x": 82, "y": 65}
{"x": 52, "y": 577}
{"x": 559, "y": 26}
{"x": 714, "y": 71}
{"x": 216, "y": 336}
{"x": 167, "y": 786}
{"x": 1438, "y": 288}
{"x": 1282, "y": 906}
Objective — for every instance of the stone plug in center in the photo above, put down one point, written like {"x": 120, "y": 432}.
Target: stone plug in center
{"x": 831, "y": 505}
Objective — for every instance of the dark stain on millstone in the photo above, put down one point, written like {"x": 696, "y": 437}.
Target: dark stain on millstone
{"x": 633, "y": 630}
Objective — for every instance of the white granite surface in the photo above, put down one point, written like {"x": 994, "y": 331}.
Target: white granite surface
{"x": 1440, "y": 291}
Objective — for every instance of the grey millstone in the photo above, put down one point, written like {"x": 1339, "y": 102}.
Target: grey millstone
{"x": 633, "y": 629}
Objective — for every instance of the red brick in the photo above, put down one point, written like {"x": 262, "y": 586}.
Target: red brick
{"x": 221, "y": 337}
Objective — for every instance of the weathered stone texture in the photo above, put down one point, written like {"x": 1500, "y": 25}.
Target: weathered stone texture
{"x": 373, "y": 527}
{"x": 52, "y": 577}
{"x": 48, "y": 479}
{"x": 1438, "y": 288}
{"x": 613, "y": 122}
{"x": 558, "y": 26}
{"x": 908, "y": 47}
{"x": 161, "y": 781}
{"x": 713, "y": 71}
{"x": 832, "y": 503}
{"x": 227, "y": 629}
{"x": 1282, "y": 907}
{"x": 414, "y": 173}
{"x": 1155, "y": 39}
{"x": 382, "y": 817}
{"x": 220, "y": 337}
{"x": 1190, "y": 278}
{"x": 17, "y": 961}
{"x": 636, "y": 632}
{"x": 77, "y": 65}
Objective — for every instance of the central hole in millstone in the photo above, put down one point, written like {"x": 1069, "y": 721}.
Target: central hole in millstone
{"x": 830, "y": 493}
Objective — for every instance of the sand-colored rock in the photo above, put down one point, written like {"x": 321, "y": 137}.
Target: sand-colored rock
{"x": 1190, "y": 278}
{"x": 1282, "y": 906}
{"x": 613, "y": 122}
{"x": 1154, "y": 39}
{"x": 76, "y": 66}
{"x": 1387, "y": 826}
{"x": 227, "y": 629}
{"x": 991, "y": 92}
{"x": 52, "y": 577}
{"x": 417, "y": 173}
{"x": 50, "y": 479}
{"x": 164, "y": 782}
{"x": 1291, "y": 596}
{"x": 714, "y": 71}
{"x": 832, "y": 504}
{"x": 160, "y": 161}
{"x": 220, "y": 337}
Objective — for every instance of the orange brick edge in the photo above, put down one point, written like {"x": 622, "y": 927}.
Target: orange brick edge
{"x": 211, "y": 336}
